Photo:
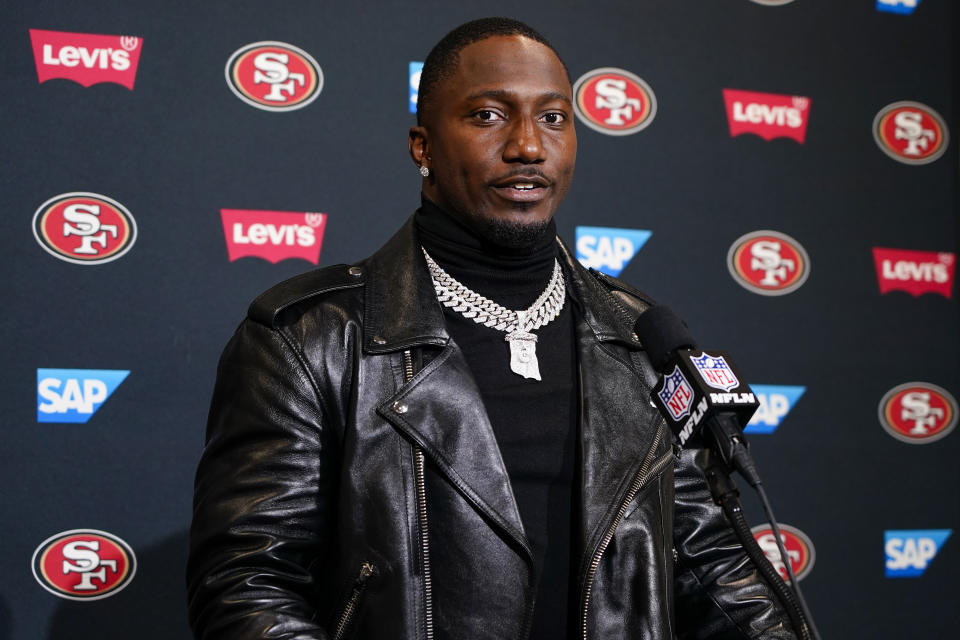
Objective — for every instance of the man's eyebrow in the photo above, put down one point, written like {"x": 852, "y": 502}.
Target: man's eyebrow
{"x": 502, "y": 94}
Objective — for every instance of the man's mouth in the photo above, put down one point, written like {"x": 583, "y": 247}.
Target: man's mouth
{"x": 528, "y": 188}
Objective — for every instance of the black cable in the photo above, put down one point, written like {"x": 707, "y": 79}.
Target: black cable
{"x": 727, "y": 496}
{"x": 768, "y": 509}
{"x": 735, "y": 455}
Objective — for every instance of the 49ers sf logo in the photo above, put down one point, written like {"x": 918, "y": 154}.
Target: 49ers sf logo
{"x": 768, "y": 262}
{"x": 84, "y": 564}
{"x": 274, "y": 76}
{"x": 614, "y": 101}
{"x": 918, "y": 412}
{"x": 798, "y": 546}
{"x": 84, "y": 228}
{"x": 910, "y": 132}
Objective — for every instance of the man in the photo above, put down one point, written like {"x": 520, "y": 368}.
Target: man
{"x": 453, "y": 438}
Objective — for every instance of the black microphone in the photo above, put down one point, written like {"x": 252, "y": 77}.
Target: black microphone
{"x": 701, "y": 392}
{"x": 705, "y": 400}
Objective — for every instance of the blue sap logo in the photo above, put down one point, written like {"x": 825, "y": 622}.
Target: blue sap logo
{"x": 74, "y": 395}
{"x": 415, "y": 68}
{"x": 910, "y": 552}
{"x": 607, "y": 249}
{"x": 775, "y": 403}
{"x": 897, "y": 6}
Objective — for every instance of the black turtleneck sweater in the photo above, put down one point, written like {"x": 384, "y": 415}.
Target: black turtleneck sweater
{"x": 534, "y": 421}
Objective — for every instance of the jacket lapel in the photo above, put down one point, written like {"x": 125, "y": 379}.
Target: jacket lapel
{"x": 617, "y": 423}
{"x": 442, "y": 411}
{"x": 440, "y": 408}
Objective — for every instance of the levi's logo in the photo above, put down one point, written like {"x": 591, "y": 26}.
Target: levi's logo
{"x": 768, "y": 115}
{"x": 916, "y": 272}
{"x": 86, "y": 58}
{"x": 273, "y": 235}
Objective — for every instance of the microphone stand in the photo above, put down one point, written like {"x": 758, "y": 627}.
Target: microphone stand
{"x": 734, "y": 454}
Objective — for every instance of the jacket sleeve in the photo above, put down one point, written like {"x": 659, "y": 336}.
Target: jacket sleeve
{"x": 262, "y": 498}
{"x": 719, "y": 592}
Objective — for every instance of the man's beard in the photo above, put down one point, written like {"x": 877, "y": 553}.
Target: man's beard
{"x": 512, "y": 235}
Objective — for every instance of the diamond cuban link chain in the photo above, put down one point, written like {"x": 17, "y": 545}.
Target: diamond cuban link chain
{"x": 517, "y": 324}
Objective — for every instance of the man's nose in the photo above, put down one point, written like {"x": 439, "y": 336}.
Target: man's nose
{"x": 524, "y": 144}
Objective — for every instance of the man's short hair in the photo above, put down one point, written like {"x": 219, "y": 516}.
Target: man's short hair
{"x": 442, "y": 61}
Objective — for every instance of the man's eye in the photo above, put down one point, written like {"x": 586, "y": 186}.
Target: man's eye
{"x": 487, "y": 115}
{"x": 554, "y": 118}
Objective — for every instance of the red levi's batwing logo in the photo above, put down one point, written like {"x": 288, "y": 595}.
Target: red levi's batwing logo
{"x": 273, "y": 235}
{"x": 916, "y": 272}
{"x": 86, "y": 58}
{"x": 768, "y": 115}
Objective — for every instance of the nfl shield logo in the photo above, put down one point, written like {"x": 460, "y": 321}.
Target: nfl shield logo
{"x": 715, "y": 372}
{"x": 676, "y": 395}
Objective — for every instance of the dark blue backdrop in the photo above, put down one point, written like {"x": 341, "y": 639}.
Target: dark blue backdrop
{"x": 181, "y": 146}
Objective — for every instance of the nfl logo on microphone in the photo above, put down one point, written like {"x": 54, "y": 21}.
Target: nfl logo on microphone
{"x": 715, "y": 372}
{"x": 676, "y": 395}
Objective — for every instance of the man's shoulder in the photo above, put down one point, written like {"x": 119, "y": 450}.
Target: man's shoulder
{"x": 616, "y": 284}
{"x": 308, "y": 287}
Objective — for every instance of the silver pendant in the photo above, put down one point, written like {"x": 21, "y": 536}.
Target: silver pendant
{"x": 523, "y": 354}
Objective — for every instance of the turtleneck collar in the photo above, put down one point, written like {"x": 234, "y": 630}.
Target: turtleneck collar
{"x": 502, "y": 275}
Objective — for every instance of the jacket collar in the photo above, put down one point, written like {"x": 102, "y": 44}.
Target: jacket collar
{"x": 401, "y": 308}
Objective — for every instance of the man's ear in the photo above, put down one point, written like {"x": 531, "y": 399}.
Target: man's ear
{"x": 417, "y": 146}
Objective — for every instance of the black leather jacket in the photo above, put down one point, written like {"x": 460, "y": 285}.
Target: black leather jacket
{"x": 351, "y": 486}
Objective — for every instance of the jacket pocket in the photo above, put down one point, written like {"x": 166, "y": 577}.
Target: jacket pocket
{"x": 352, "y": 605}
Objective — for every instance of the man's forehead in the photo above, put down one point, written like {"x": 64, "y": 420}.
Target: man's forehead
{"x": 512, "y": 64}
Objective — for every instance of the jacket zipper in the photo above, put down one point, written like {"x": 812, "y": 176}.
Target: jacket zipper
{"x": 647, "y": 470}
{"x": 421, "y": 496}
{"x": 366, "y": 570}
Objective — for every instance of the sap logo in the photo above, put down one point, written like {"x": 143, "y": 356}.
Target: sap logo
{"x": 415, "y": 69}
{"x": 776, "y": 401}
{"x": 903, "y": 7}
{"x": 74, "y": 395}
{"x": 85, "y": 58}
{"x": 608, "y": 249}
{"x": 274, "y": 76}
{"x": 909, "y": 552}
{"x": 273, "y": 235}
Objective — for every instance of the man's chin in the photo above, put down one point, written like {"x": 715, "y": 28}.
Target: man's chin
{"x": 513, "y": 235}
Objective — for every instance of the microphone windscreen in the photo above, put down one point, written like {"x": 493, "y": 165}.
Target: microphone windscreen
{"x": 661, "y": 332}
